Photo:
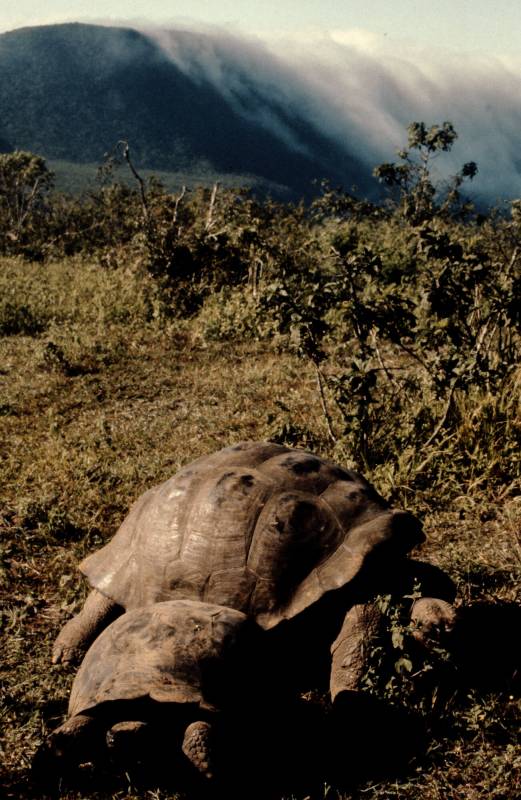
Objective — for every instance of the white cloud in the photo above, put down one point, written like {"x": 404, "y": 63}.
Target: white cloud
{"x": 362, "y": 89}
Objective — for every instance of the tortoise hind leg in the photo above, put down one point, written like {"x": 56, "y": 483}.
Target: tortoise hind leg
{"x": 198, "y": 747}
{"x": 75, "y": 637}
{"x": 128, "y": 741}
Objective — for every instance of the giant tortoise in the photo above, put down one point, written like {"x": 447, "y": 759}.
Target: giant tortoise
{"x": 160, "y": 674}
{"x": 294, "y": 541}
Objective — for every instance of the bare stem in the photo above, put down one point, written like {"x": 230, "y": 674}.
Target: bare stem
{"x": 178, "y": 202}
{"x": 390, "y": 377}
{"x": 137, "y": 176}
{"x": 443, "y": 420}
{"x": 323, "y": 403}
{"x": 211, "y": 207}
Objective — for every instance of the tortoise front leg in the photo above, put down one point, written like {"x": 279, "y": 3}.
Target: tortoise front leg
{"x": 352, "y": 648}
{"x": 198, "y": 747}
{"x": 365, "y": 731}
{"x": 76, "y": 636}
{"x": 432, "y": 620}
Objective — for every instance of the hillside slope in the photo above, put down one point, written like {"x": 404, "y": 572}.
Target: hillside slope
{"x": 70, "y": 92}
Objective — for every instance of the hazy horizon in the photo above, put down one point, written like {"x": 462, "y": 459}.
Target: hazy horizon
{"x": 462, "y": 26}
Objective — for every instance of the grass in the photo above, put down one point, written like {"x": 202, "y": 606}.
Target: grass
{"x": 103, "y": 396}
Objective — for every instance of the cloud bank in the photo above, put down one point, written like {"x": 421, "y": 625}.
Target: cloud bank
{"x": 361, "y": 91}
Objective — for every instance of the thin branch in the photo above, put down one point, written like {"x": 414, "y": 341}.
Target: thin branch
{"x": 323, "y": 403}
{"x": 211, "y": 207}
{"x": 137, "y": 176}
{"x": 443, "y": 420}
{"x": 386, "y": 370}
{"x": 512, "y": 260}
{"x": 178, "y": 201}
{"x": 29, "y": 200}
{"x": 480, "y": 338}
{"x": 254, "y": 274}
{"x": 416, "y": 357}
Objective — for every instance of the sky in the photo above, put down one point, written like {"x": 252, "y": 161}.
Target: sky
{"x": 462, "y": 25}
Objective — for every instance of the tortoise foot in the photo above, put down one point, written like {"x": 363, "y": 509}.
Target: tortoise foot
{"x": 198, "y": 747}
{"x": 65, "y": 654}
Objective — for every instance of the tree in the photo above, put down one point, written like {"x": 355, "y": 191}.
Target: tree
{"x": 24, "y": 180}
{"x": 419, "y": 198}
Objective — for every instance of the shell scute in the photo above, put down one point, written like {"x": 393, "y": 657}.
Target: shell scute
{"x": 295, "y": 531}
{"x": 296, "y": 469}
{"x": 180, "y": 581}
{"x": 221, "y": 520}
{"x": 230, "y": 587}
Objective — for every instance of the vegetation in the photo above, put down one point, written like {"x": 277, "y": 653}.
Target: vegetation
{"x": 140, "y": 329}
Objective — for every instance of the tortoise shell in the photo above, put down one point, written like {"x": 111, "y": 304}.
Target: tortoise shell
{"x": 259, "y": 527}
{"x": 171, "y": 652}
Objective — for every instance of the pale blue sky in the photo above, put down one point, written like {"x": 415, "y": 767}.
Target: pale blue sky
{"x": 463, "y": 25}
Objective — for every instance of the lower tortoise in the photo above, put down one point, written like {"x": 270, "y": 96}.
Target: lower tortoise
{"x": 296, "y": 543}
{"x": 158, "y": 675}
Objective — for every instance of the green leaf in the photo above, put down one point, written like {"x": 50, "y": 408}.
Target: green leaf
{"x": 403, "y": 665}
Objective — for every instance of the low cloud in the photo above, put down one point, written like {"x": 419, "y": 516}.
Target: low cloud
{"x": 362, "y": 90}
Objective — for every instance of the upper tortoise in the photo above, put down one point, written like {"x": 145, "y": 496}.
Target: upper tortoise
{"x": 267, "y": 530}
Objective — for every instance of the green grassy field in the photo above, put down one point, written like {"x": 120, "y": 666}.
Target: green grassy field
{"x": 102, "y": 396}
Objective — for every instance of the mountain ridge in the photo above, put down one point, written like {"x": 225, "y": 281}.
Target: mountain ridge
{"x": 70, "y": 92}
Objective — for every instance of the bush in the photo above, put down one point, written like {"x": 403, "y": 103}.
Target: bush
{"x": 18, "y": 318}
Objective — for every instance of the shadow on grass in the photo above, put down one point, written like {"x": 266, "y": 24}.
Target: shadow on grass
{"x": 487, "y": 646}
{"x": 486, "y": 580}
{"x": 301, "y": 747}
{"x": 304, "y": 748}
